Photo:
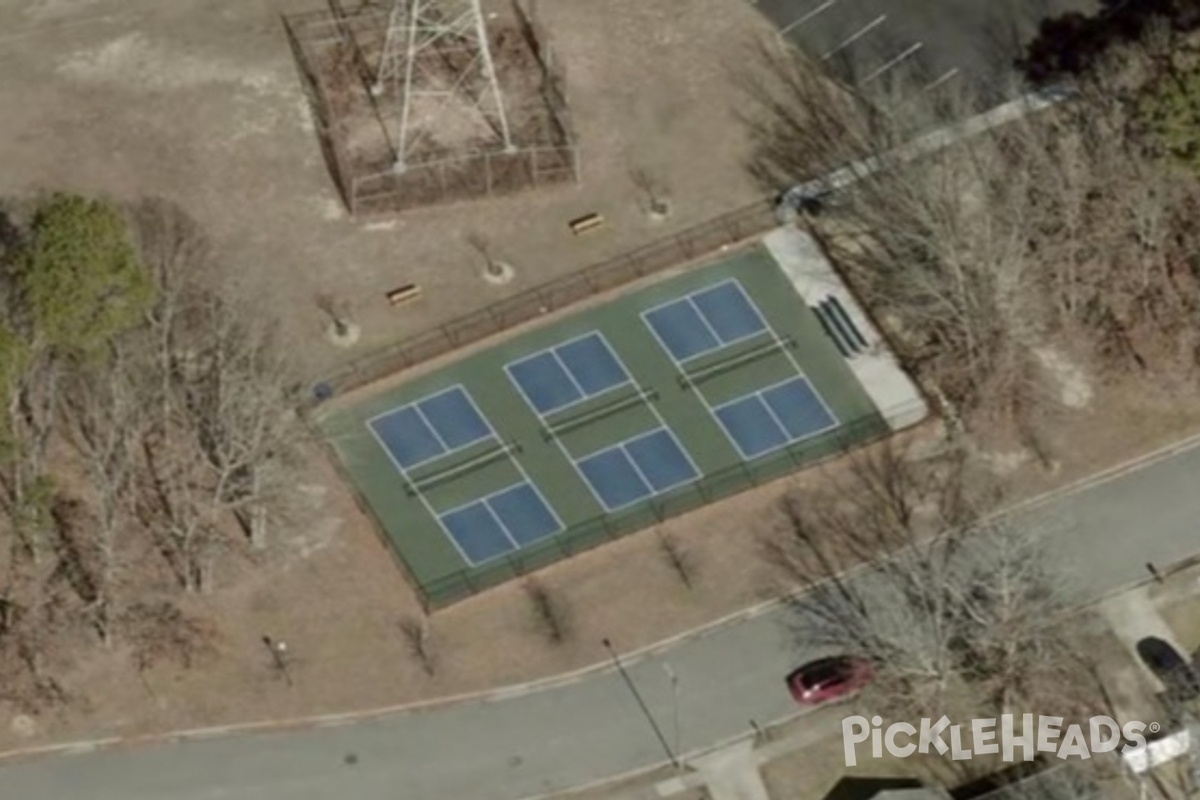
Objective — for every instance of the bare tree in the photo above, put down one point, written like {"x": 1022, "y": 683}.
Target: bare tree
{"x": 158, "y": 630}
{"x": 678, "y": 559}
{"x": 549, "y": 610}
{"x": 418, "y": 639}
{"x": 483, "y": 246}
{"x": 899, "y": 564}
{"x": 652, "y": 190}
{"x": 335, "y": 310}
{"x": 176, "y": 251}
{"x": 177, "y": 403}
{"x": 241, "y": 401}
{"x": 105, "y": 419}
{"x": 981, "y": 236}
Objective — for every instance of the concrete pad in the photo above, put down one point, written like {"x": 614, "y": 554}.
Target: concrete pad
{"x": 888, "y": 386}
{"x": 1133, "y": 616}
{"x": 732, "y": 773}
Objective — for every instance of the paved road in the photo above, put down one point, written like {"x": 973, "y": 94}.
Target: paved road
{"x": 563, "y": 737}
{"x": 933, "y": 41}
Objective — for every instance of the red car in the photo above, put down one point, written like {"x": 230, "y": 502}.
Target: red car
{"x": 828, "y": 679}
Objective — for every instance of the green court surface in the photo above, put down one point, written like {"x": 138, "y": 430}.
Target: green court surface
{"x": 417, "y": 506}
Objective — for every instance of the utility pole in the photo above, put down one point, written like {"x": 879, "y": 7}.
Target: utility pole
{"x": 641, "y": 704}
{"x": 674, "y": 679}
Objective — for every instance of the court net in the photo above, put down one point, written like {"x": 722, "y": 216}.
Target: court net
{"x": 549, "y": 432}
{"x": 689, "y": 379}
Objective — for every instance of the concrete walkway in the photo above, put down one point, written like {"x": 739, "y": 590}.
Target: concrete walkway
{"x": 1133, "y": 616}
{"x": 732, "y": 773}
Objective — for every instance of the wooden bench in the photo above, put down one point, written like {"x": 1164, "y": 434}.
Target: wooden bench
{"x": 585, "y": 224}
{"x": 409, "y": 291}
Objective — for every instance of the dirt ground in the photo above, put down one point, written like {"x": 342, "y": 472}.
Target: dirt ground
{"x": 199, "y": 101}
{"x": 196, "y": 100}
{"x": 331, "y": 591}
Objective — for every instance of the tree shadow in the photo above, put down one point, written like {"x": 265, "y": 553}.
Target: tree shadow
{"x": 1070, "y": 44}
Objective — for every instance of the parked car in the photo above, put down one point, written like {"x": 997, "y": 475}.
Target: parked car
{"x": 1171, "y": 668}
{"x": 829, "y": 678}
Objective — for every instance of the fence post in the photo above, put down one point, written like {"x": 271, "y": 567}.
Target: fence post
{"x": 684, "y": 245}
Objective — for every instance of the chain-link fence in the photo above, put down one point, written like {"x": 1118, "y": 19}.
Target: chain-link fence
{"x": 460, "y": 585}
{"x": 691, "y": 243}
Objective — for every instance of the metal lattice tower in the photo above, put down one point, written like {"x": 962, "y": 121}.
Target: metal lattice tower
{"x": 436, "y": 52}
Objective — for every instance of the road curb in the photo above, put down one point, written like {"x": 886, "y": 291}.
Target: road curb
{"x": 563, "y": 679}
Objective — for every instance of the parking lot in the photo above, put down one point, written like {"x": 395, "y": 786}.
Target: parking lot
{"x": 931, "y": 43}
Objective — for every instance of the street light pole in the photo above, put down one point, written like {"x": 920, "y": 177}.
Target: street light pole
{"x": 641, "y": 703}
{"x": 674, "y": 679}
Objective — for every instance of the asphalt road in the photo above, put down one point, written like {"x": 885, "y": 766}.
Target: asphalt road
{"x": 930, "y": 41}
{"x": 563, "y": 737}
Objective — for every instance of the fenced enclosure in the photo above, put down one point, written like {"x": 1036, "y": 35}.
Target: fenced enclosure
{"x": 579, "y": 538}
{"x": 507, "y": 431}
{"x": 335, "y": 51}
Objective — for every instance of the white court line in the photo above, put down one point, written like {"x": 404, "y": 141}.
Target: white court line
{"x": 422, "y": 399}
{"x": 574, "y": 462}
{"x": 834, "y": 422}
{"x": 686, "y": 299}
{"x": 712, "y": 412}
{"x": 854, "y": 37}
{"x": 704, "y": 320}
{"x": 787, "y": 437}
{"x": 420, "y": 496}
{"x": 595, "y": 493}
{"x": 622, "y": 446}
{"x": 737, "y": 287}
{"x": 553, "y": 353}
{"x": 806, "y": 17}
{"x": 479, "y": 412}
{"x": 892, "y": 63}
{"x": 521, "y": 389}
{"x": 558, "y": 360}
{"x": 689, "y": 298}
{"x": 670, "y": 435}
{"x": 537, "y": 490}
{"x": 633, "y": 463}
{"x": 662, "y": 344}
{"x": 945, "y": 77}
{"x": 483, "y": 501}
{"x": 697, "y": 474}
{"x": 445, "y": 447}
{"x": 446, "y": 451}
{"x": 503, "y": 528}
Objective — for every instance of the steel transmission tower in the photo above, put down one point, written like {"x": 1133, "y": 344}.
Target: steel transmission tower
{"x": 435, "y": 52}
